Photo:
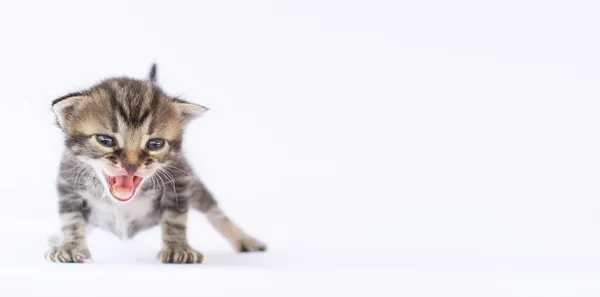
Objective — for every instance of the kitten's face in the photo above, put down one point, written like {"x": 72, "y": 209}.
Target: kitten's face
{"x": 126, "y": 130}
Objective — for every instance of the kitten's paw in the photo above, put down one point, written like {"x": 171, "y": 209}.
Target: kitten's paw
{"x": 180, "y": 255}
{"x": 248, "y": 244}
{"x": 67, "y": 254}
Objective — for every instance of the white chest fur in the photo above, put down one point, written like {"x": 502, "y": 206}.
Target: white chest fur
{"x": 122, "y": 219}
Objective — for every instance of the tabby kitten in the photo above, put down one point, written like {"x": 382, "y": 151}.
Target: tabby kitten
{"x": 123, "y": 171}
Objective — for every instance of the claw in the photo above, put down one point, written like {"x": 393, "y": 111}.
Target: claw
{"x": 64, "y": 254}
{"x": 179, "y": 255}
{"x": 249, "y": 244}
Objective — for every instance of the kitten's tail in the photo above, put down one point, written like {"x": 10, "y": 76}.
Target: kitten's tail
{"x": 152, "y": 75}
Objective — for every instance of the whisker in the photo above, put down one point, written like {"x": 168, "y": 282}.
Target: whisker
{"x": 172, "y": 182}
{"x": 74, "y": 166}
{"x": 163, "y": 183}
{"x": 78, "y": 176}
{"x": 91, "y": 180}
{"x": 155, "y": 184}
{"x": 186, "y": 173}
{"x": 169, "y": 107}
{"x": 169, "y": 178}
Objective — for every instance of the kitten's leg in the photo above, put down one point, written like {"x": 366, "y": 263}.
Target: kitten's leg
{"x": 241, "y": 242}
{"x": 174, "y": 235}
{"x": 71, "y": 245}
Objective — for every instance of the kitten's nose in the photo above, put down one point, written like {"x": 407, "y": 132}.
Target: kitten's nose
{"x": 131, "y": 168}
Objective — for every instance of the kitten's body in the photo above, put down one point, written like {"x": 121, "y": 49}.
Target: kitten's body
{"x": 133, "y": 113}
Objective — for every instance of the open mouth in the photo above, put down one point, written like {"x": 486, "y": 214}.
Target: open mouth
{"x": 123, "y": 187}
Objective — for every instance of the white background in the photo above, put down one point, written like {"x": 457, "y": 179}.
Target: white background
{"x": 389, "y": 148}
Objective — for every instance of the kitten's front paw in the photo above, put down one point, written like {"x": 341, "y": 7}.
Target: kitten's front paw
{"x": 249, "y": 244}
{"x": 68, "y": 254}
{"x": 180, "y": 255}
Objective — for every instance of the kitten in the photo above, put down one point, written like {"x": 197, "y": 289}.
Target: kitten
{"x": 123, "y": 171}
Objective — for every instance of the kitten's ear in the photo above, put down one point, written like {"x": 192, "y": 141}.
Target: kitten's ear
{"x": 152, "y": 74}
{"x": 190, "y": 111}
{"x": 64, "y": 106}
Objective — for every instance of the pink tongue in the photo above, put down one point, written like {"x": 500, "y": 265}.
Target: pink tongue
{"x": 123, "y": 186}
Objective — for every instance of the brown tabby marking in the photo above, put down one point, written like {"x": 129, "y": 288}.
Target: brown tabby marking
{"x": 122, "y": 170}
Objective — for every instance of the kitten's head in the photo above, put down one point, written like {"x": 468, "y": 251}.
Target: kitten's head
{"x": 125, "y": 129}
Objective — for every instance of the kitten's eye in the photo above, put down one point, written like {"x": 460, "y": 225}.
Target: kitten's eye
{"x": 155, "y": 144}
{"x": 106, "y": 140}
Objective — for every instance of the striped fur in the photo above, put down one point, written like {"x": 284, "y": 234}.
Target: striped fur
{"x": 132, "y": 112}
